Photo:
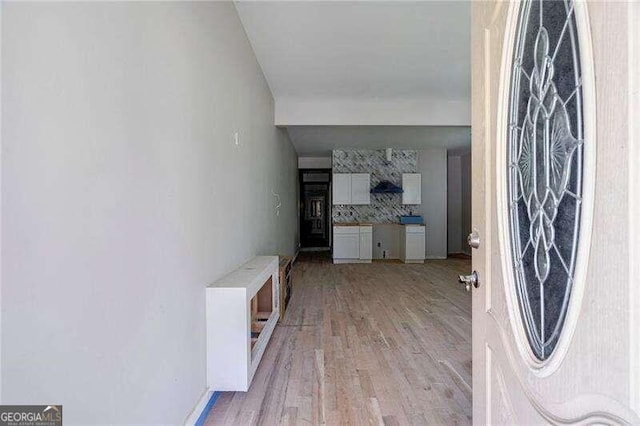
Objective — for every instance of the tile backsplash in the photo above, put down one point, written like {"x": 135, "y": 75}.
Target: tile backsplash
{"x": 384, "y": 208}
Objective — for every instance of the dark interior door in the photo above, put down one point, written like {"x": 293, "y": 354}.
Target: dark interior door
{"x": 314, "y": 208}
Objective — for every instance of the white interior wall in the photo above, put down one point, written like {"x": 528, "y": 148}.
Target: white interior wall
{"x": 123, "y": 195}
{"x": 432, "y": 164}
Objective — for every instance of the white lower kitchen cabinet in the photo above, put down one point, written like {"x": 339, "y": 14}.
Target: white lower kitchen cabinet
{"x": 412, "y": 244}
{"x": 346, "y": 242}
{"x": 352, "y": 244}
{"x": 366, "y": 243}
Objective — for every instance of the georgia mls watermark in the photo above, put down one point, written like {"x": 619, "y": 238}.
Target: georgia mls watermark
{"x": 30, "y": 415}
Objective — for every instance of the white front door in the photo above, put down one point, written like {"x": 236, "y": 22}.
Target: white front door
{"x": 556, "y": 322}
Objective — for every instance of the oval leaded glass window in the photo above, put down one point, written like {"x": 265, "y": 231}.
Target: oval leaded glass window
{"x": 545, "y": 143}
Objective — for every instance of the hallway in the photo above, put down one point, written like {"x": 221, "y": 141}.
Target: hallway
{"x": 384, "y": 343}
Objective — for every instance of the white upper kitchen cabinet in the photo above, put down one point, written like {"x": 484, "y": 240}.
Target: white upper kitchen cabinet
{"x": 360, "y": 188}
{"x": 412, "y": 187}
{"x": 351, "y": 188}
{"x": 341, "y": 185}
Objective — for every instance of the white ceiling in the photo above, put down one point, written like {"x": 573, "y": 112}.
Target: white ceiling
{"x": 311, "y": 141}
{"x": 361, "y": 50}
{"x": 346, "y": 63}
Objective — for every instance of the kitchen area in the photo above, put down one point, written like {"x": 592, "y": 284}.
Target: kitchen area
{"x": 376, "y": 205}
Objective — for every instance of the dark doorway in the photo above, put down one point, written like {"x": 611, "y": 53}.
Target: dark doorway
{"x": 315, "y": 205}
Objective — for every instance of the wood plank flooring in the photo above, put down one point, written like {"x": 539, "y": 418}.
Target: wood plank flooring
{"x": 384, "y": 343}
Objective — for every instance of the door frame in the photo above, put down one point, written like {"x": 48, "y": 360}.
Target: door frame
{"x": 1, "y": 155}
{"x": 594, "y": 406}
{"x": 328, "y": 204}
{"x": 634, "y": 197}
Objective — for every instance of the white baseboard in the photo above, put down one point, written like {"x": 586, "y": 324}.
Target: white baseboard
{"x": 193, "y": 417}
{"x": 351, "y": 261}
{"x": 435, "y": 257}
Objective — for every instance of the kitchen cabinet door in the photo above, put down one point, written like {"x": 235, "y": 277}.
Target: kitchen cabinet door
{"x": 360, "y": 188}
{"x": 414, "y": 243}
{"x": 341, "y": 188}
{"x": 366, "y": 242}
{"x": 346, "y": 242}
{"x": 412, "y": 187}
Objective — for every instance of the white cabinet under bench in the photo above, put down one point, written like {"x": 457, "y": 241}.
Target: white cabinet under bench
{"x": 242, "y": 312}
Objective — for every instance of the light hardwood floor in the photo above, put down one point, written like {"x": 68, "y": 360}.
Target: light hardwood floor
{"x": 384, "y": 343}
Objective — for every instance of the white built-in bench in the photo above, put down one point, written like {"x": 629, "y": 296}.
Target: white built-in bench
{"x": 242, "y": 312}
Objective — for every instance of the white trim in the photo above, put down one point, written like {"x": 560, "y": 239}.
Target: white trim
{"x": 487, "y": 203}
{"x": 633, "y": 18}
{"x": 193, "y": 417}
{"x": 583, "y": 31}
{"x": 295, "y": 257}
{"x": 435, "y": 257}
{"x": 488, "y": 375}
{"x": 336, "y": 261}
{"x": 376, "y": 112}
{"x": 1, "y": 160}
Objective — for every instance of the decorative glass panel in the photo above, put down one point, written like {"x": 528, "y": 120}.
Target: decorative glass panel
{"x": 545, "y": 145}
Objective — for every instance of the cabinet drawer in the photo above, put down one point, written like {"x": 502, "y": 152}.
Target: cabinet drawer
{"x": 354, "y": 230}
{"x": 414, "y": 229}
